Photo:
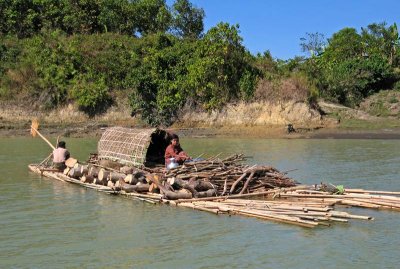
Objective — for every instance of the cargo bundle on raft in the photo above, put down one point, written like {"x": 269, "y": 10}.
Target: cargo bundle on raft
{"x": 130, "y": 162}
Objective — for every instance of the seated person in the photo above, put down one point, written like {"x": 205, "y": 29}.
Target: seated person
{"x": 60, "y": 155}
{"x": 174, "y": 150}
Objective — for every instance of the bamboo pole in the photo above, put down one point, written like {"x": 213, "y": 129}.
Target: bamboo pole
{"x": 45, "y": 160}
{"x": 349, "y": 216}
{"x": 394, "y": 206}
{"x": 338, "y": 219}
{"x": 371, "y": 192}
{"x": 307, "y": 224}
{"x": 190, "y": 205}
{"x": 359, "y": 204}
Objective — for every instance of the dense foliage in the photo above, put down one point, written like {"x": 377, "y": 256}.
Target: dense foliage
{"x": 170, "y": 65}
{"x": 353, "y": 66}
{"x": 26, "y": 18}
{"x": 158, "y": 57}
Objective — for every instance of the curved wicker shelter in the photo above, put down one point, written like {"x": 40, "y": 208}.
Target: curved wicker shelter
{"x": 133, "y": 147}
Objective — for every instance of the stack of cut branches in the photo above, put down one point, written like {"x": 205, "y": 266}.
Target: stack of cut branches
{"x": 225, "y": 176}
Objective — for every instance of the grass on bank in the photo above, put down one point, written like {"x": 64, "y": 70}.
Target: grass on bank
{"x": 359, "y": 124}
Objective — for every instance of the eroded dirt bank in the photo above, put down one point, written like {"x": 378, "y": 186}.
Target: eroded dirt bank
{"x": 261, "y": 120}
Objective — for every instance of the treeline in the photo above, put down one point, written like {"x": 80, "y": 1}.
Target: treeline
{"x": 345, "y": 68}
{"x": 93, "y": 52}
{"x": 350, "y": 66}
{"x": 25, "y": 18}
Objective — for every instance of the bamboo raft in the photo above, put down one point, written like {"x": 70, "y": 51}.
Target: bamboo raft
{"x": 222, "y": 186}
{"x": 306, "y": 206}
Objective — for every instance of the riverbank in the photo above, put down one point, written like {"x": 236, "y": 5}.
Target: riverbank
{"x": 95, "y": 129}
{"x": 253, "y": 120}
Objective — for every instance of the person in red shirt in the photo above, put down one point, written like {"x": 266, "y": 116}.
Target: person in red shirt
{"x": 174, "y": 150}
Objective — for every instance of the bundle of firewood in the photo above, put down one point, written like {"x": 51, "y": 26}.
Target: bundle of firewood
{"x": 224, "y": 176}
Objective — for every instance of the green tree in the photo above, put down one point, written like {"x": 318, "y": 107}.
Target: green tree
{"x": 51, "y": 14}
{"x": 187, "y": 19}
{"x": 381, "y": 40}
{"x": 54, "y": 62}
{"x": 247, "y": 84}
{"x": 343, "y": 45}
{"x": 218, "y": 65}
{"x": 28, "y": 17}
{"x": 208, "y": 73}
{"x": 19, "y": 17}
{"x": 117, "y": 16}
{"x": 158, "y": 82}
{"x": 152, "y": 16}
{"x": 81, "y": 16}
{"x": 354, "y": 66}
{"x": 111, "y": 55}
{"x": 265, "y": 62}
{"x": 351, "y": 80}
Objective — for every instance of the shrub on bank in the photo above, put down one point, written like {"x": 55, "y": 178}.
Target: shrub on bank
{"x": 91, "y": 93}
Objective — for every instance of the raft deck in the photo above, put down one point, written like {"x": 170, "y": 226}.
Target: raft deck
{"x": 301, "y": 205}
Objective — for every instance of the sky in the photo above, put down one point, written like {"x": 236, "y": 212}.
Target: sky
{"x": 278, "y": 25}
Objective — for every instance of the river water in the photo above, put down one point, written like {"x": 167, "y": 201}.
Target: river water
{"x": 49, "y": 224}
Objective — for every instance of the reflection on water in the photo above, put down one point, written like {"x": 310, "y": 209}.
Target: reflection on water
{"x": 50, "y": 224}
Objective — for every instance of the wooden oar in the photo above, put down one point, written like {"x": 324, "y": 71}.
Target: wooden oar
{"x": 34, "y": 132}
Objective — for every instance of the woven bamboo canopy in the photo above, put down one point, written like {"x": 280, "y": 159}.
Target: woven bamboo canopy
{"x": 133, "y": 146}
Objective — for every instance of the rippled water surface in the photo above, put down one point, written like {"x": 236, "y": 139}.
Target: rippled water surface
{"x": 50, "y": 224}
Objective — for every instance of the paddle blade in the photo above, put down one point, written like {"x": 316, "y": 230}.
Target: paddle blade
{"x": 34, "y": 127}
